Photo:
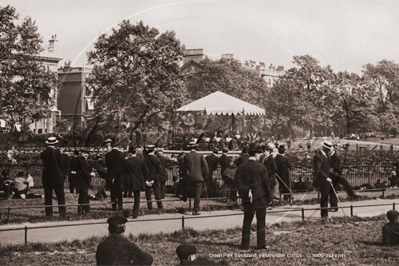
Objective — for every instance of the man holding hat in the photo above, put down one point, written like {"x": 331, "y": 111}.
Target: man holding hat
{"x": 117, "y": 250}
{"x": 254, "y": 188}
{"x": 283, "y": 172}
{"x": 322, "y": 177}
{"x": 53, "y": 177}
{"x": 390, "y": 231}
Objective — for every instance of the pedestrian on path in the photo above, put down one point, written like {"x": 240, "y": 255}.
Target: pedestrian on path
{"x": 254, "y": 188}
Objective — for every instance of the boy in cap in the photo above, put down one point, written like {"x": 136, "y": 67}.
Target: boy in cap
{"x": 117, "y": 250}
{"x": 390, "y": 231}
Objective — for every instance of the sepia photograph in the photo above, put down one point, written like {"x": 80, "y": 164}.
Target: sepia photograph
{"x": 199, "y": 132}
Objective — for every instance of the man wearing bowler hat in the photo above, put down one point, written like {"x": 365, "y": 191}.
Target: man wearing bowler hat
{"x": 153, "y": 183}
{"x": 117, "y": 172}
{"x": 195, "y": 168}
{"x": 283, "y": 172}
{"x": 254, "y": 188}
{"x": 117, "y": 250}
{"x": 53, "y": 177}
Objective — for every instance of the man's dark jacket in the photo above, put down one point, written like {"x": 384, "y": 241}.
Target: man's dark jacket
{"x": 163, "y": 174}
{"x": 241, "y": 159}
{"x": 117, "y": 168}
{"x": 271, "y": 168}
{"x": 139, "y": 173}
{"x": 154, "y": 167}
{"x": 212, "y": 161}
{"x": 117, "y": 250}
{"x": 195, "y": 167}
{"x": 83, "y": 173}
{"x": 224, "y": 162}
{"x": 253, "y": 176}
{"x": 322, "y": 166}
{"x": 53, "y": 173}
{"x": 283, "y": 167}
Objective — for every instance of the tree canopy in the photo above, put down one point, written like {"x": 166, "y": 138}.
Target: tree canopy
{"x": 135, "y": 79}
{"x": 27, "y": 89}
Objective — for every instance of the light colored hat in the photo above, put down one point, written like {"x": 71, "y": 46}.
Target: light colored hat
{"x": 51, "y": 141}
{"x": 327, "y": 144}
{"x": 107, "y": 141}
{"x": 270, "y": 146}
{"x": 393, "y": 173}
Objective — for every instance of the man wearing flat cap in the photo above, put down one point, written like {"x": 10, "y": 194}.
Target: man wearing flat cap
{"x": 390, "y": 231}
{"x": 187, "y": 255}
{"x": 53, "y": 177}
{"x": 254, "y": 188}
{"x": 117, "y": 250}
{"x": 322, "y": 178}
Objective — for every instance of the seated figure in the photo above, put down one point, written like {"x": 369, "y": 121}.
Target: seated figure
{"x": 390, "y": 231}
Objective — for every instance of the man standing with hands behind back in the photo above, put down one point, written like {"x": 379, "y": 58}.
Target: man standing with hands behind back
{"x": 254, "y": 186}
{"x": 53, "y": 177}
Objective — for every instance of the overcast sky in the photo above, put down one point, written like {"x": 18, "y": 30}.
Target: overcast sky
{"x": 343, "y": 34}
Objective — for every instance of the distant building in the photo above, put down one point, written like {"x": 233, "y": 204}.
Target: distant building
{"x": 192, "y": 57}
{"x": 74, "y": 96}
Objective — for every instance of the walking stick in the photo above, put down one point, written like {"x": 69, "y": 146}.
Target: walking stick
{"x": 285, "y": 184}
{"x": 335, "y": 192}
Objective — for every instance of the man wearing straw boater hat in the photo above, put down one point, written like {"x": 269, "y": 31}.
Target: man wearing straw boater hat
{"x": 53, "y": 177}
{"x": 322, "y": 178}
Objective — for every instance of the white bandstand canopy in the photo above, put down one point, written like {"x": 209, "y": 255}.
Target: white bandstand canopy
{"x": 219, "y": 103}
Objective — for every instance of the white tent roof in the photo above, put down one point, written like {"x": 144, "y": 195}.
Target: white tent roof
{"x": 219, "y": 103}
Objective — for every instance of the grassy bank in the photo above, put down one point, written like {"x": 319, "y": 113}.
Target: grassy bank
{"x": 343, "y": 241}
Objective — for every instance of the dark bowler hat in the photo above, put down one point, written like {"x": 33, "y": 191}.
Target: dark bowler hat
{"x": 216, "y": 150}
{"x": 132, "y": 149}
{"x": 254, "y": 148}
{"x": 225, "y": 150}
{"x": 392, "y": 214}
{"x": 117, "y": 220}
{"x": 245, "y": 149}
{"x": 185, "y": 250}
{"x": 51, "y": 141}
{"x": 281, "y": 148}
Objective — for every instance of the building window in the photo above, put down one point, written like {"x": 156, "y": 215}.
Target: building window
{"x": 39, "y": 131}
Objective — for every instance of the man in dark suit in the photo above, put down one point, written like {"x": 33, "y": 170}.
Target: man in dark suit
{"x": 243, "y": 157}
{"x": 163, "y": 174}
{"x": 118, "y": 250}
{"x": 212, "y": 161}
{"x": 283, "y": 167}
{"x": 72, "y": 177}
{"x": 254, "y": 188}
{"x": 271, "y": 168}
{"x": 195, "y": 168}
{"x": 321, "y": 178}
{"x": 84, "y": 176}
{"x": 118, "y": 172}
{"x": 139, "y": 174}
{"x": 153, "y": 182}
{"x": 53, "y": 177}
{"x": 224, "y": 161}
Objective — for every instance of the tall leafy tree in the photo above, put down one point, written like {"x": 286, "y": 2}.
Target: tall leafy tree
{"x": 227, "y": 76}
{"x": 27, "y": 90}
{"x": 135, "y": 79}
{"x": 315, "y": 82}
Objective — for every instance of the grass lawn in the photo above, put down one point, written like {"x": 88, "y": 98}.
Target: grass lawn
{"x": 102, "y": 209}
{"x": 343, "y": 241}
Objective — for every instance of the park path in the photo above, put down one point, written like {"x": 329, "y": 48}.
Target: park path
{"x": 169, "y": 223}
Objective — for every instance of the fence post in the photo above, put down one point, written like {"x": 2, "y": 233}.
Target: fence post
{"x": 8, "y": 215}
{"x": 189, "y": 204}
{"x": 351, "y": 211}
{"x": 303, "y": 214}
{"x": 383, "y": 193}
{"x": 26, "y": 235}
{"x": 393, "y": 207}
{"x": 182, "y": 222}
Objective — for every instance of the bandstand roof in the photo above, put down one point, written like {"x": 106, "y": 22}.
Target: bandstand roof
{"x": 219, "y": 103}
